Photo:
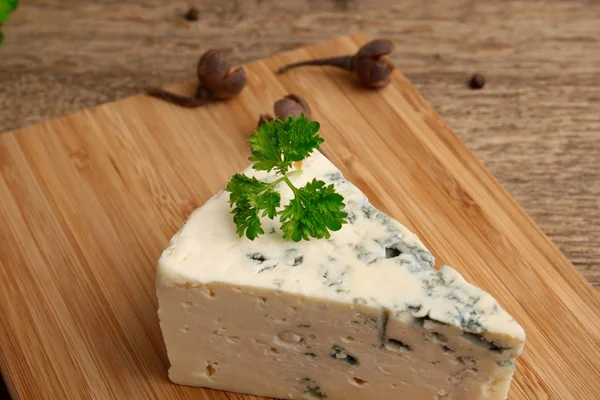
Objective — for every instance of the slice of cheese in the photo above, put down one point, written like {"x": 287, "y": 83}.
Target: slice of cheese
{"x": 362, "y": 315}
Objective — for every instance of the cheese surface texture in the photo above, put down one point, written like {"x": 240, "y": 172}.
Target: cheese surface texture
{"x": 361, "y": 315}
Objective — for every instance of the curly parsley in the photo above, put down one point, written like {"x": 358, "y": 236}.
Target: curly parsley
{"x": 316, "y": 208}
{"x": 6, "y": 7}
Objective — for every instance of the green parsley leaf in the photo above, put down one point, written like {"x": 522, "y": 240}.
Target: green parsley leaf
{"x": 6, "y": 7}
{"x": 313, "y": 211}
{"x": 277, "y": 144}
{"x": 249, "y": 197}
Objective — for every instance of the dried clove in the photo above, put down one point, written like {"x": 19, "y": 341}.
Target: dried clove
{"x": 217, "y": 81}
{"x": 477, "y": 81}
{"x": 371, "y": 63}
{"x": 289, "y": 105}
{"x": 192, "y": 14}
{"x": 265, "y": 118}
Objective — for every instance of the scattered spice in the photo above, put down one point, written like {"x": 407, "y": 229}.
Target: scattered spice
{"x": 477, "y": 81}
{"x": 264, "y": 118}
{"x": 437, "y": 56}
{"x": 217, "y": 81}
{"x": 371, "y": 63}
{"x": 192, "y": 14}
{"x": 291, "y": 105}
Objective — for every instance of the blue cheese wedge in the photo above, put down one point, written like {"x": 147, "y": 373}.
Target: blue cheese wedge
{"x": 362, "y": 315}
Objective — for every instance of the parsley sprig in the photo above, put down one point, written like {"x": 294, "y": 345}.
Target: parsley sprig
{"x": 316, "y": 208}
{"x": 6, "y": 7}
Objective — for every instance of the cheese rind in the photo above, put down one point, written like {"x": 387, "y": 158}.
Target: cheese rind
{"x": 361, "y": 315}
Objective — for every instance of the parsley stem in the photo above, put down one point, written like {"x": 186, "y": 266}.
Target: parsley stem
{"x": 278, "y": 181}
{"x": 294, "y": 172}
{"x": 290, "y": 184}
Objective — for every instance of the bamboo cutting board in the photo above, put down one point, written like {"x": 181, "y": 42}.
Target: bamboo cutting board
{"x": 89, "y": 201}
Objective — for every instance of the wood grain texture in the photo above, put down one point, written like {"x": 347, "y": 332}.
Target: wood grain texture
{"x": 535, "y": 124}
{"x": 90, "y": 200}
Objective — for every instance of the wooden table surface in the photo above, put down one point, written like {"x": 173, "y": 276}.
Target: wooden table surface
{"x": 535, "y": 125}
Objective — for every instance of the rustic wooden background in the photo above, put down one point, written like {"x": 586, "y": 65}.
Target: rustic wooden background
{"x": 535, "y": 125}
